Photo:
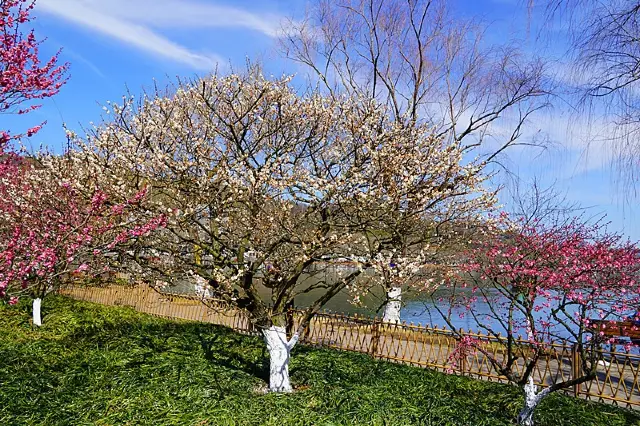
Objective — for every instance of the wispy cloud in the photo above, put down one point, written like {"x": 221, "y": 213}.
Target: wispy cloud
{"x": 589, "y": 139}
{"x": 573, "y": 144}
{"x": 137, "y": 23}
{"x": 181, "y": 13}
{"x": 90, "y": 65}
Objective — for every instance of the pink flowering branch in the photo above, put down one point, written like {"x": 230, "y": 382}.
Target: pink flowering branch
{"x": 464, "y": 347}
{"x": 533, "y": 284}
{"x": 23, "y": 76}
{"x": 49, "y": 231}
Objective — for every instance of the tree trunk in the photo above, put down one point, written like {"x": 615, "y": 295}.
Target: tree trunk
{"x": 531, "y": 400}
{"x": 279, "y": 354}
{"x": 394, "y": 303}
{"x": 37, "y": 320}
{"x": 530, "y": 335}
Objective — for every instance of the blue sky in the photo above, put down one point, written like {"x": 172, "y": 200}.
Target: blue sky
{"x": 115, "y": 44}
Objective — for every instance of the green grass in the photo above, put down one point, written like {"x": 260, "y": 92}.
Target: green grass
{"x": 99, "y": 365}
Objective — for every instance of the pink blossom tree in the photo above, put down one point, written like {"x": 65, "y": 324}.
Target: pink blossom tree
{"x": 49, "y": 230}
{"x": 534, "y": 284}
{"x": 51, "y": 223}
{"x": 23, "y": 77}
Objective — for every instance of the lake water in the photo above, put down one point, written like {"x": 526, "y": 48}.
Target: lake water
{"x": 415, "y": 310}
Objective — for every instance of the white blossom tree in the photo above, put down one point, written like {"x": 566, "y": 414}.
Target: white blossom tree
{"x": 260, "y": 184}
{"x": 429, "y": 67}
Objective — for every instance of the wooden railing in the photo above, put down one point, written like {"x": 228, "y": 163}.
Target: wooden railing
{"x": 617, "y": 380}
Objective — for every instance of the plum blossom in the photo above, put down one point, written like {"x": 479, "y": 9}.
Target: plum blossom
{"x": 541, "y": 284}
{"x": 23, "y": 77}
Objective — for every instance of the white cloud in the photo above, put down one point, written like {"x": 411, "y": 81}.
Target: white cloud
{"x": 575, "y": 143}
{"x": 133, "y": 22}
{"x": 590, "y": 139}
{"x": 180, "y": 13}
{"x": 87, "y": 63}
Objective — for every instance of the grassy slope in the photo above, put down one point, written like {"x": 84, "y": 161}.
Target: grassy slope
{"x": 110, "y": 366}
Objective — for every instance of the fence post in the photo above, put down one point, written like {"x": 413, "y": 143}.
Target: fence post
{"x": 463, "y": 360}
{"x": 575, "y": 367}
{"x": 307, "y": 329}
{"x": 375, "y": 336}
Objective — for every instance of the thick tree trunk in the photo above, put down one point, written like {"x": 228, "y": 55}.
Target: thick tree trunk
{"x": 394, "y": 303}
{"x": 279, "y": 354}
{"x": 531, "y": 400}
{"x": 37, "y": 320}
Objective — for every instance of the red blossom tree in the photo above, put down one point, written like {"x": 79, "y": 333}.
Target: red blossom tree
{"x": 535, "y": 284}
{"x": 51, "y": 223}
{"x": 49, "y": 230}
{"x": 23, "y": 77}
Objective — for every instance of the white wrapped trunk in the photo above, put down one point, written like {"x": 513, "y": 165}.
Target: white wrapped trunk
{"x": 279, "y": 353}
{"x": 531, "y": 400}
{"x": 394, "y": 303}
{"x": 530, "y": 335}
{"x": 37, "y": 319}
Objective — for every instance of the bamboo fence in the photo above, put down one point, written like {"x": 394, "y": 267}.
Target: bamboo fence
{"x": 617, "y": 379}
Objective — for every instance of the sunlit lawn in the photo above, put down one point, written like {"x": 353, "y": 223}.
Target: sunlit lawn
{"x": 99, "y": 365}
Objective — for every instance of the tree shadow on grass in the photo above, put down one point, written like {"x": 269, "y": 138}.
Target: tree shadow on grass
{"x": 311, "y": 365}
{"x": 215, "y": 348}
{"x": 321, "y": 368}
{"x": 218, "y": 345}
